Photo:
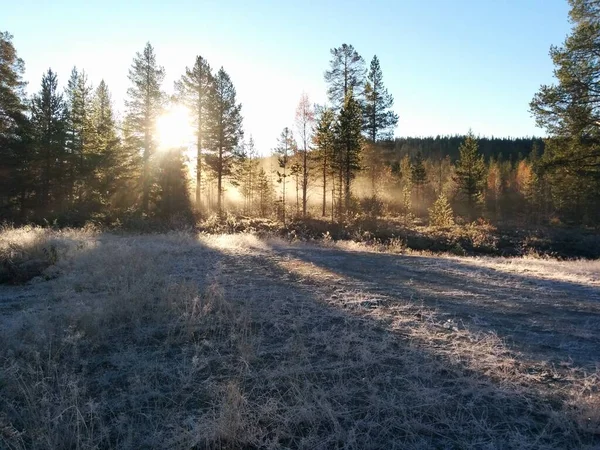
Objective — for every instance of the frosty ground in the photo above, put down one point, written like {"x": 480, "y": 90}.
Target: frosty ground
{"x": 232, "y": 341}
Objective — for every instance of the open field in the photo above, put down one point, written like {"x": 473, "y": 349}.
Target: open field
{"x": 214, "y": 342}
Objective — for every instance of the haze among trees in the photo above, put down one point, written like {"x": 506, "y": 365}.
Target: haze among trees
{"x": 65, "y": 157}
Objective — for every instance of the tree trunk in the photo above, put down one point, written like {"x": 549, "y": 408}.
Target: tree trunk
{"x": 324, "y": 185}
{"x": 304, "y": 181}
{"x": 219, "y": 183}
{"x": 199, "y": 162}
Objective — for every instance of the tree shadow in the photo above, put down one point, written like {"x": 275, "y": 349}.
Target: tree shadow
{"x": 356, "y": 374}
{"x": 545, "y": 320}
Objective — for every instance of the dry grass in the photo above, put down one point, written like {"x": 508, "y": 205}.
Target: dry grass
{"x": 226, "y": 342}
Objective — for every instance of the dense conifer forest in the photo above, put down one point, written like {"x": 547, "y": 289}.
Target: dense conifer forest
{"x": 65, "y": 158}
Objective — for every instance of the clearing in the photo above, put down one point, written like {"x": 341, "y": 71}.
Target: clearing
{"x": 231, "y": 341}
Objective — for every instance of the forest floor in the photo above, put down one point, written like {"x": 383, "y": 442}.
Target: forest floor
{"x": 181, "y": 340}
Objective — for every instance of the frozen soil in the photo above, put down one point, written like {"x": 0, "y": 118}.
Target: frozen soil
{"x": 231, "y": 341}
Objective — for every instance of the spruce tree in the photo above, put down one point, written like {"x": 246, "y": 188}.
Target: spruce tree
{"x": 379, "y": 120}
{"x": 348, "y": 144}
{"x": 324, "y": 141}
{"x": 144, "y": 104}
{"x": 264, "y": 190}
{"x": 195, "y": 90}
{"x": 346, "y": 73}
{"x": 48, "y": 116}
{"x": 225, "y": 132}
{"x": 79, "y": 132}
{"x": 113, "y": 167}
{"x": 470, "y": 173}
{"x": 418, "y": 178}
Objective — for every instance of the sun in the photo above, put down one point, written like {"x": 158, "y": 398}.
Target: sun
{"x": 173, "y": 128}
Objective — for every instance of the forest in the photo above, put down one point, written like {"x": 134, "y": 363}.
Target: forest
{"x": 66, "y": 159}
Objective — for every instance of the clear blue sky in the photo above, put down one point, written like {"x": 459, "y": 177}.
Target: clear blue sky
{"x": 450, "y": 65}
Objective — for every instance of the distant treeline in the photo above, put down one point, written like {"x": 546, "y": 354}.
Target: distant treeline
{"x": 490, "y": 147}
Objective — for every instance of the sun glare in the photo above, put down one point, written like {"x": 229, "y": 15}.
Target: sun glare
{"x": 173, "y": 128}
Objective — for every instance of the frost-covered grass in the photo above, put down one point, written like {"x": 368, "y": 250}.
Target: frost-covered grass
{"x": 231, "y": 341}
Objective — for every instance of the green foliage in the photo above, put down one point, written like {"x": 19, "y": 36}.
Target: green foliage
{"x": 48, "y": 116}
{"x": 570, "y": 113}
{"x": 441, "y": 214}
{"x": 470, "y": 172}
{"x": 379, "y": 120}
{"x": 349, "y": 142}
{"x": 346, "y": 73}
{"x": 418, "y": 174}
{"x": 16, "y": 155}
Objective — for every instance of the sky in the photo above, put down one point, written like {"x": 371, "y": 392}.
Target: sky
{"x": 450, "y": 65}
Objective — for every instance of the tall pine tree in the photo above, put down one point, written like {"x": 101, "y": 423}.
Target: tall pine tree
{"x": 144, "y": 104}
{"x": 346, "y": 72}
{"x": 324, "y": 140}
{"x": 15, "y": 146}
{"x": 195, "y": 90}
{"x": 349, "y": 144}
{"x": 225, "y": 132}
{"x": 379, "y": 120}
{"x": 570, "y": 112}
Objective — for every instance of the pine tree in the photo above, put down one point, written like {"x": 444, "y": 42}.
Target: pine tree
{"x": 349, "y": 144}
{"x": 441, "y": 214}
{"x": 418, "y": 178}
{"x": 379, "y": 120}
{"x": 305, "y": 118}
{"x": 324, "y": 140}
{"x": 346, "y": 73}
{"x": 225, "y": 132}
{"x": 48, "y": 116}
{"x": 15, "y": 153}
{"x": 195, "y": 90}
{"x": 144, "y": 104}
{"x": 470, "y": 174}
{"x": 285, "y": 149}
{"x": 570, "y": 113}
